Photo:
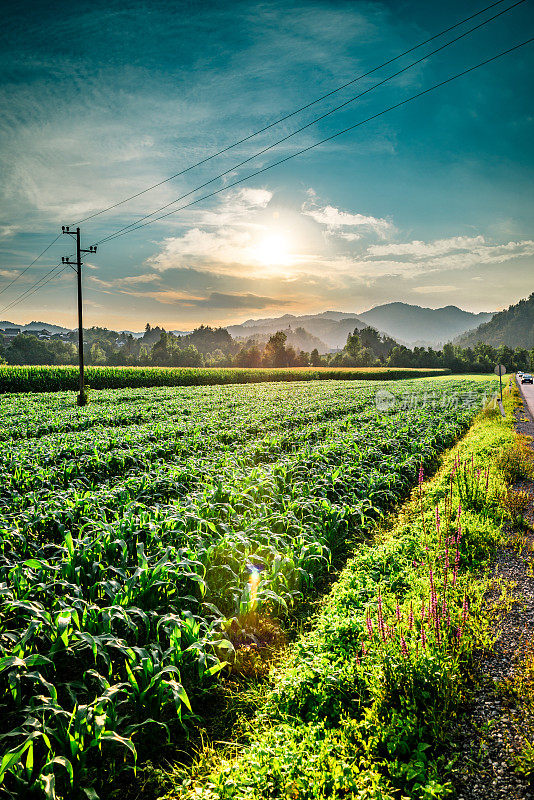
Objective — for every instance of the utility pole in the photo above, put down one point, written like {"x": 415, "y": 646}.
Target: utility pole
{"x": 77, "y": 265}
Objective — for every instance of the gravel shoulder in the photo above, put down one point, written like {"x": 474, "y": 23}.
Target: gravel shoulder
{"x": 497, "y": 724}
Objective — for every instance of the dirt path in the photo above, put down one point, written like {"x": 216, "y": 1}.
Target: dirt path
{"x": 493, "y": 732}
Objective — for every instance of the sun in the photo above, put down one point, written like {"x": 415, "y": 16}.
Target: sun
{"x": 273, "y": 250}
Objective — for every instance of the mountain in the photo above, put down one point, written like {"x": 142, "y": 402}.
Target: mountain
{"x": 422, "y": 326}
{"x": 513, "y": 327}
{"x": 331, "y": 327}
{"x": 35, "y": 326}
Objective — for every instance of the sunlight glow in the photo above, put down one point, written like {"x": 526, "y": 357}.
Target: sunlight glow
{"x": 273, "y": 250}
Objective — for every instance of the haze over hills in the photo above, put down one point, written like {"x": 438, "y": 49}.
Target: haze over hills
{"x": 513, "y": 327}
{"x": 415, "y": 325}
{"x": 331, "y": 327}
{"x": 407, "y": 324}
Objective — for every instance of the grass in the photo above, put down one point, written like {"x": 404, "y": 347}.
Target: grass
{"x": 363, "y": 704}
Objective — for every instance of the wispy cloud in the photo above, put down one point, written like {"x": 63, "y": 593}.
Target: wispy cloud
{"x": 459, "y": 252}
{"x": 336, "y": 221}
{"x": 436, "y": 289}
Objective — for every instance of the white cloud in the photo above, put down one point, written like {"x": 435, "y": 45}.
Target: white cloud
{"x": 336, "y": 220}
{"x": 225, "y": 245}
{"x": 6, "y": 231}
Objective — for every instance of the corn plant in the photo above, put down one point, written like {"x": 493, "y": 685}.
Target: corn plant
{"x": 130, "y": 530}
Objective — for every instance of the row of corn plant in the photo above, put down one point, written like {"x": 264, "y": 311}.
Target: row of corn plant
{"x": 58, "y": 378}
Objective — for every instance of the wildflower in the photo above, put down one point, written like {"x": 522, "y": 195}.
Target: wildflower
{"x": 381, "y": 626}
{"x": 369, "y": 624}
{"x": 410, "y": 618}
{"x": 398, "y": 612}
{"x": 404, "y": 648}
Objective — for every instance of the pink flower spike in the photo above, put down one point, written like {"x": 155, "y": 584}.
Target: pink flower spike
{"x": 404, "y": 649}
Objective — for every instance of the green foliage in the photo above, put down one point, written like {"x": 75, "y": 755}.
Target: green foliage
{"x": 363, "y": 705}
{"x": 129, "y": 530}
{"x": 516, "y": 462}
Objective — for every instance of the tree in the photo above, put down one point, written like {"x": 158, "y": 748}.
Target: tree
{"x": 315, "y": 358}
{"x": 248, "y": 357}
{"x": 97, "y": 354}
{"x": 275, "y": 351}
{"x": 162, "y": 351}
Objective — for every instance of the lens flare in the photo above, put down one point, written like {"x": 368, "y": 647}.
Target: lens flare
{"x": 254, "y": 582}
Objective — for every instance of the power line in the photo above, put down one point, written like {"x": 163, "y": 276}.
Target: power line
{"x": 29, "y": 265}
{"x": 312, "y": 122}
{"x": 35, "y": 287}
{"x": 327, "y": 139}
{"x": 292, "y": 114}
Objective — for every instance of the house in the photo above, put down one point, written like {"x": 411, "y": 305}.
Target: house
{"x": 10, "y": 333}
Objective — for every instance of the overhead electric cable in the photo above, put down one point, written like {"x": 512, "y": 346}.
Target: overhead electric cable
{"x": 29, "y": 265}
{"x": 35, "y": 285}
{"x": 309, "y": 124}
{"x": 29, "y": 292}
{"x": 118, "y": 234}
{"x": 292, "y": 114}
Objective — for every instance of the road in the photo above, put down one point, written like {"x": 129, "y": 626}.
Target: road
{"x": 527, "y": 390}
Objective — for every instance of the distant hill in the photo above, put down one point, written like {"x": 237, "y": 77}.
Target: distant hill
{"x": 422, "y": 326}
{"x": 331, "y": 327}
{"x": 513, "y": 327}
{"x": 35, "y": 326}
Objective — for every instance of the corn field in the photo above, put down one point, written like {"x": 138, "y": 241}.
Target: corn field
{"x": 130, "y": 530}
{"x": 59, "y": 378}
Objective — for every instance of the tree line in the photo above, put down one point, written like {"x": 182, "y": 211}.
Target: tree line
{"x": 215, "y": 347}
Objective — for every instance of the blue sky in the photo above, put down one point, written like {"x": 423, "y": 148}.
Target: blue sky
{"x": 430, "y": 204}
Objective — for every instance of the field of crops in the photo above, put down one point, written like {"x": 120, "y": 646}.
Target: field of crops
{"x": 138, "y": 535}
{"x": 54, "y": 379}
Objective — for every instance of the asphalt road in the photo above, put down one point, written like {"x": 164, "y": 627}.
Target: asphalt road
{"x": 527, "y": 390}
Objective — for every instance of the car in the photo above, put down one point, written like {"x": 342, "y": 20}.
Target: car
{"x": 527, "y": 378}
{"x": 520, "y": 374}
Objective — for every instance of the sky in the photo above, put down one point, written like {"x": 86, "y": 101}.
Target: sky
{"x": 429, "y": 204}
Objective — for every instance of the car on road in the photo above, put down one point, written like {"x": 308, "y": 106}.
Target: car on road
{"x": 526, "y": 378}
{"x": 520, "y": 374}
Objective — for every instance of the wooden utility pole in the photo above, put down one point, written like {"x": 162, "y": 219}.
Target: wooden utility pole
{"x": 82, "y": 394}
